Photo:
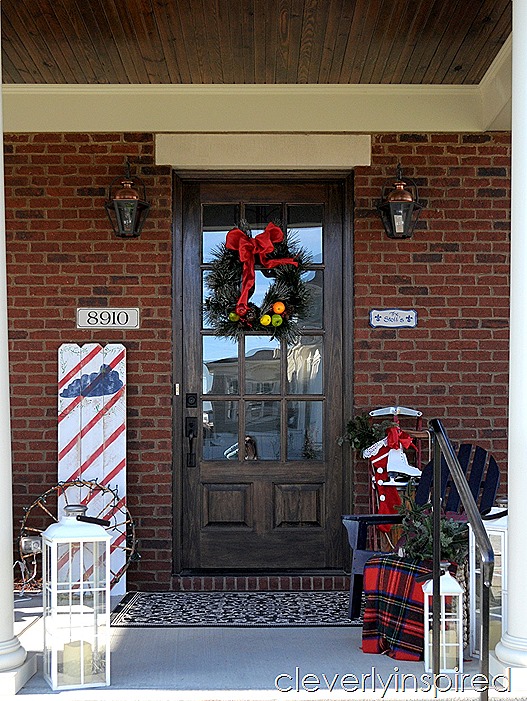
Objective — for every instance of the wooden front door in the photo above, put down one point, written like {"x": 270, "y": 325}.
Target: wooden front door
{"x": 277, "y": 506}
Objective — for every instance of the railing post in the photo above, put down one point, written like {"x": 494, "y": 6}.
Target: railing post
{"x": 442, "y": 446}
{"x": 436, "y": 558}
{"x": 484, "y": 630}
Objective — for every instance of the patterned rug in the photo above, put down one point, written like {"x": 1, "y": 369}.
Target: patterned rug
{"x": 271, "y": 609}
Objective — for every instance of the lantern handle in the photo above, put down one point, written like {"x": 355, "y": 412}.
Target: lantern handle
{"x": 92, "y": 519}
{"x": 423, "y": 577}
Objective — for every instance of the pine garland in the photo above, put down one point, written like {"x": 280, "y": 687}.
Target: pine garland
{"x": 223, "y": 282}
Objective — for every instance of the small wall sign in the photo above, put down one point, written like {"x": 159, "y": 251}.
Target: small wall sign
{"x": 110, "y": 318}
{"x": 393, "y": 318}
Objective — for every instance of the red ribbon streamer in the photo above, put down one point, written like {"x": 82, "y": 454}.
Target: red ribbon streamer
{"x": 248, "y": 248}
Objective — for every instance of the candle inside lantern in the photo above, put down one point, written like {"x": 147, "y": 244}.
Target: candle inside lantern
{"x": 77, "y": 655}
{"x": 449, "y": 648}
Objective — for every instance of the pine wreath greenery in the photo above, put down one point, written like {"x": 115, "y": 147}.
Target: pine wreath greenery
{"x": 361, "y": 433}
{"x": 417, "y": 533}
{"x": 223, "y": 282}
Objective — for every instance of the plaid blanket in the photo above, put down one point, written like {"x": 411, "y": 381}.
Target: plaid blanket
{"x": 393, "y": 616}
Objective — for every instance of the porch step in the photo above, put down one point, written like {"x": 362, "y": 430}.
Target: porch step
{"x": 260, "y": 583}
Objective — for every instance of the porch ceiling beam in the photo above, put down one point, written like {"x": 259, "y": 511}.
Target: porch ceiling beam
{"x": 241, "y": 108}
{"x": 496, "y": 91}
{"x": 276, "y": 152}
{"x": 259, "y": 108}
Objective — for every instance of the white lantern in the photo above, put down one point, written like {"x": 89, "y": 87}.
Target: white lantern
{"x": 450, "y": 623}
{"x": 497, "y": 530}
{"x": 76, "y": 588}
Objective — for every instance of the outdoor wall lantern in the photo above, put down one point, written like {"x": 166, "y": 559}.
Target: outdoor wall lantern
{"x": 399, "y": 207}
{"x": 76, "y": 601}
{"x": 126, "y": 210}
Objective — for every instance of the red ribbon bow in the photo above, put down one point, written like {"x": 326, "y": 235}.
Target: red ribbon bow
{"x": 396, "y": 437}
{"x": 248, "y": 248}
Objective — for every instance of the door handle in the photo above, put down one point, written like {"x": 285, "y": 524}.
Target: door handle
{"x": 191, "y": 432}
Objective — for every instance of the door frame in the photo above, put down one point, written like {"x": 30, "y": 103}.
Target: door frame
{"x": 179, "y": 211}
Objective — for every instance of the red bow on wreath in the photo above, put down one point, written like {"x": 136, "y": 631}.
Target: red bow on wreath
{"x": 248, "y": 248}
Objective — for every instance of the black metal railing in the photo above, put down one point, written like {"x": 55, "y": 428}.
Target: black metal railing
{"x": 443, "y": 447}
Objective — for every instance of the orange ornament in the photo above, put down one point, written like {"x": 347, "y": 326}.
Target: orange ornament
{"x": 278, "y": 307}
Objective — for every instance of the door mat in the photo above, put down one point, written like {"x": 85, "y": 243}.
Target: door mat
{"x": 231, "y": 609}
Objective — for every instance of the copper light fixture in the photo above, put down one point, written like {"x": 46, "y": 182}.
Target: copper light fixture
{"x": 126, "y": 210}
{"x": 400, "y": 207}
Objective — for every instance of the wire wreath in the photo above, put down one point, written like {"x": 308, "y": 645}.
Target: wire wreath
{"x": 286, "y": 300}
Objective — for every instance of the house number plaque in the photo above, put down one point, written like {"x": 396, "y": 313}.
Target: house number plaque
{"x": 109, "y": 318}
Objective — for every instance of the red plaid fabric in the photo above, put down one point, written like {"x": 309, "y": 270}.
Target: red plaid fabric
{"x": 393, "y": 615}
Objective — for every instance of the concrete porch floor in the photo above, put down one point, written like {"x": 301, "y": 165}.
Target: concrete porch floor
{"x": 236, "y": 664}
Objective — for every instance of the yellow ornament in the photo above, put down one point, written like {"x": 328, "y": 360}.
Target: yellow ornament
{"x": 278, "y": 307}
{"x": 265, "y": 320}
{"x": 233, "y": 316}
{"x": 276, "y": 320}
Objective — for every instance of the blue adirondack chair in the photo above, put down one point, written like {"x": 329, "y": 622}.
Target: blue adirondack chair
{"x": 483, "y": 476}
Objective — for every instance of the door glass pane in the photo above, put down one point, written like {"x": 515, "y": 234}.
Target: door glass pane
{"x": 305, "y": 366}
{"x": 220, "y": 366}
{"x": 305, "y": 223}
{"x": 262, "y": 365}
{"x": 220, "y": 430}
{"x": 314, "y": 281}
{"x": 218, "y": 219}
{"x": 304, "y": 430}
{"x": 261, "y": 285}
{"x": 259, "y": 215}
{"x": 205, "y": 293}
{"x": 262, "y": 428}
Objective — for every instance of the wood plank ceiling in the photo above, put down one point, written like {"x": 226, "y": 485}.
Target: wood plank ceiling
{"x": 251, "y": 41}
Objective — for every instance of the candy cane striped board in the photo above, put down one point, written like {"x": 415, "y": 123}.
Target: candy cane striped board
{"x": 92, "y": 428}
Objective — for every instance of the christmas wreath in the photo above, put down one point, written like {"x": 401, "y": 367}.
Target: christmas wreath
{"x": 229, "y": 310}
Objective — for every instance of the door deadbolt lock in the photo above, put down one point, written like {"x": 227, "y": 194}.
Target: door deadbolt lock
{"x": 191, "y": 400}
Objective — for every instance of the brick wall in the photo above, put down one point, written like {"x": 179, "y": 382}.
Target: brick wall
{"x": 62, "y": 254}
{"x": 454, "y": 272}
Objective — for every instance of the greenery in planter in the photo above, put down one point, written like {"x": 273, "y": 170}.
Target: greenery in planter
{"x": 417, "y": 533}
{"x": 361, "y": 433}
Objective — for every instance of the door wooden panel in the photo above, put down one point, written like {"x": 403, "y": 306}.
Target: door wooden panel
{"x": 274, "y": 505}
{"x": 299, "y": 505}
{"x": 227, "y": 505}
